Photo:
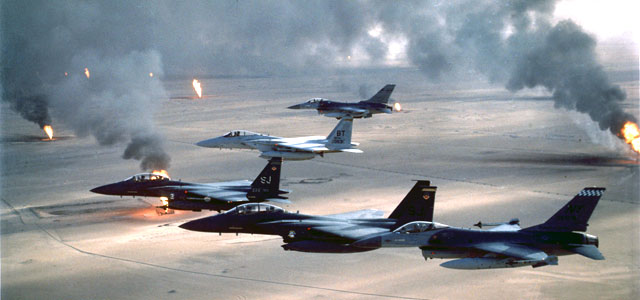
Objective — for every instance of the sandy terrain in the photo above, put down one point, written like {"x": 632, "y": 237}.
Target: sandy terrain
{"x": 493, "y": 155}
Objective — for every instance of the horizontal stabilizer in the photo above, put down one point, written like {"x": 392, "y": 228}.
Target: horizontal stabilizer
{"x": 589, "y": 251}
{"x": 351, "y": 150}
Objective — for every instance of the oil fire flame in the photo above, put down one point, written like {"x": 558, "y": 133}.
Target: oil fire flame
{"x": 397, "y": 107}
{"x": 150, "y": 74}
{"x": 49, "y": 131}
{"x": 197, "y": 87}
{"x": 160, "y": 172}
{"x": 86, "y": 72}
{"x": 165, "y": 201}
{"x": 631, "y": 135}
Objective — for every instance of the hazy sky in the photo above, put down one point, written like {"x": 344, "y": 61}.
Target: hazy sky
{"x": 515, "y": 43}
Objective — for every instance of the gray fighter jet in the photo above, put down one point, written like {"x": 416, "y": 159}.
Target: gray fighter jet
{"x": 198, "y": 196}
{"x": 300, "y": 148}
{"x": 363, "y": 109}
{"x": 505, "y": 246}
{"x": 326, "y": 234}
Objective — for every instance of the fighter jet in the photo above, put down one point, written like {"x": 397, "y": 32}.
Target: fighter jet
{"x": 505, "y": 246}
{"x": 301, "y": 148}
{"x": 325, "y": 234}
{"x": 198, "y": 196}
{"x": 363, "y": 109}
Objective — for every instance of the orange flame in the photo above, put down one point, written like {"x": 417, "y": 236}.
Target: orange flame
{"x": 197, "y": 87}
{"x": 49, "y": 131}
{"x": 397, "y": 107}
{"x": 160, "y": 172}
{"x": 631, "y": 135}
{"x": 165, "y": 201}
{"x": 86, "y": 72}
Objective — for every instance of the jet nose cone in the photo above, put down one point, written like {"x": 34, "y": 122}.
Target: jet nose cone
{"x": 297, "y": 106}
{"x": 210, "y": 143}
{"x": 108, "y": 189}
{"x": 204, "y": 225}
{"x": 369, "y": 243}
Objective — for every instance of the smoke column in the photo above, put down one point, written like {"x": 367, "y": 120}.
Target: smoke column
{"x": 43, "y": 41}
{"x": 514, "y": 43}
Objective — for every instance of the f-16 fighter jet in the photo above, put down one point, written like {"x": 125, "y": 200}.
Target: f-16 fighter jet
{"x": 300, "y": 148}
{"x": 505, "y": 246}
{"x": 363, "y": 109}
{"x": 327, "y": 234}
{"x": 198, "y": 196}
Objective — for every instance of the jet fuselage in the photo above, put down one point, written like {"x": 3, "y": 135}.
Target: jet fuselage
{"x": 455, "y": 242}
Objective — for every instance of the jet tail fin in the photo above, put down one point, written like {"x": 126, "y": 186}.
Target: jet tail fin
{"x": 574, "y": 215}
{"x": 417, "y": 205}
{"x": 340, "y": 137}
{"x": 383, "y": 95}
{"x": 267, "y": 184}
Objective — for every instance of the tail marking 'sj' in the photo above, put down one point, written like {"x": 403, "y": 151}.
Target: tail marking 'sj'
{"x": 267, "y": 184}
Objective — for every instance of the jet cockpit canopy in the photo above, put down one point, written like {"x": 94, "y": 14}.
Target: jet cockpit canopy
{"x": 239, "y": 133}
{"x": 419, "y": 226}
{"x": 316, "y": 100}
{"x": 254, "y": 208}
{"x": 144, "y": 177}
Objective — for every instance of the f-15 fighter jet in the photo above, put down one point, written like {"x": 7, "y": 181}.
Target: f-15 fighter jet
{"x": 327, "y": 234}
{"x": 198, "y": 196}
{"x": 300, "y": 148}
{"x": 505, "y": 246}
{"x": 363, "y": 109}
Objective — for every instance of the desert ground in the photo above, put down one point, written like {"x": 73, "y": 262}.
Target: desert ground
{"x": 492, "y": 154}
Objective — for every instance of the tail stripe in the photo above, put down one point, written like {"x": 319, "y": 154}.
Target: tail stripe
{"x": 591, "y": 193}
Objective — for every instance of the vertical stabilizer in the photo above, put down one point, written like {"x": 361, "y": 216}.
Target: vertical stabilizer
{"x": 383, "y": 95}
{"x": 340, "y": 137}
{"x": 417, "y": 205}
{"x": 574, "y": 215}
{"x": 267, "y": 184}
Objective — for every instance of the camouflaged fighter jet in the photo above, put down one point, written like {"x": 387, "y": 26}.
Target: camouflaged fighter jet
{"x": 505, "y": 246}
{"x": 326, "y": 234}
{"x": 198, "y": 196}
{"x": 300, "y": 148}
{"x": 363, "y": 109}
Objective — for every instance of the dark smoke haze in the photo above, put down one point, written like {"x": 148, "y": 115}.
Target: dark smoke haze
{"x": 513, "y": 42}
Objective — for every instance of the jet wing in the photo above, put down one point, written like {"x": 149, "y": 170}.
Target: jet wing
{"x": 294, "y": 144}
{"x": 223, "y": 195}
{"x": 513, "y": 250}
{"x": 348, "y": 231}
{"x": 353, "y": 110}
{"x": 228, "y": 183}
{"x": 506, "y": 227}
{"x": 311, "y": 147}
{"x": 359, "y": 214}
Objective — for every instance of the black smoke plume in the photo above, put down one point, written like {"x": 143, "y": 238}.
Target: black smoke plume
{"x": 515, "y": 43}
